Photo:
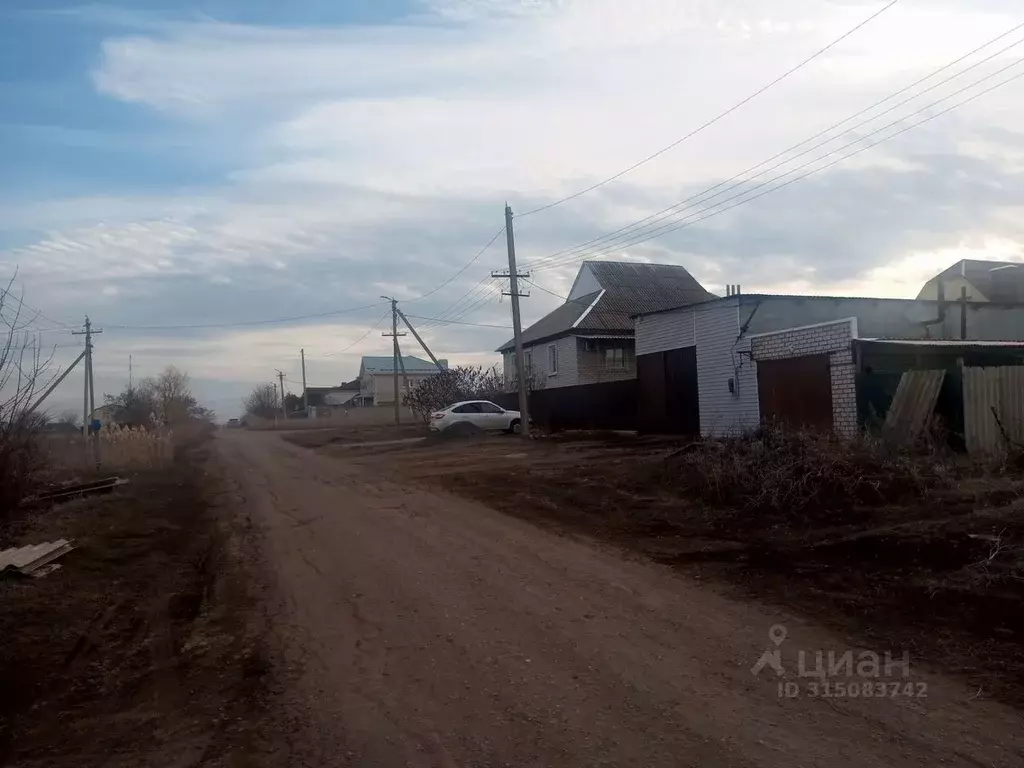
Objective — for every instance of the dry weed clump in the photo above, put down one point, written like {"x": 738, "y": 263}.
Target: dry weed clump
{"x": 126, "y": 447}
{"x": 779, "y": 476}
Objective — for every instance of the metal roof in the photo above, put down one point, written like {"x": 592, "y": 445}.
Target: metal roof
{"x": 998, "y": 281}
{"x": 387, "y": 365}
{"x": 31, "y": 559}
{"x": 629, "y": 289}
{"x": 945, "y": 342}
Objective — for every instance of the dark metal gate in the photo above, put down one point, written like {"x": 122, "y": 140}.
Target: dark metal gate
{"x": 796, "y": 392}
{"x": 667, "y": 387}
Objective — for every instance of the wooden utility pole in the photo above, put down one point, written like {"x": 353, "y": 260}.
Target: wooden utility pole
{"x": 396, "y": 354}
{"x": 305, "y": 397}
{"x": 280, "y": 378}
{"x": 513, "y": 277}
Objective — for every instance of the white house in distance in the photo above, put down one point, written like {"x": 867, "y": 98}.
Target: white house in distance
{"x": 377, "y": 382}
{"x": 590, "y": 338}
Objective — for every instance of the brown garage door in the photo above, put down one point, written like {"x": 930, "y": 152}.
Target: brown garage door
{"x": 796, "y": 392}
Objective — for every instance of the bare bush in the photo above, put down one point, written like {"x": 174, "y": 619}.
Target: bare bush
{"x": 461, "y": 383}
{"x": 783, "y": 477}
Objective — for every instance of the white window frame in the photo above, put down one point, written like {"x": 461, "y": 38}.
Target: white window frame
{"x": 552, "y": 359}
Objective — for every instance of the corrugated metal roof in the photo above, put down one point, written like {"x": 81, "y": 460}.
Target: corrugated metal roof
{"x": 26, "y": 560}
{"x": 998, "y": 281}
{"x": 630, "y": 288}
{"x": 946, "y": 342}
{"x": 998, "y": 388}
{"x": 556, "y": 322}
{"x": 387, "y": 364}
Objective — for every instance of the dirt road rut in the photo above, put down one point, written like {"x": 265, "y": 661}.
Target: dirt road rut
{"x": 419, "y": 629}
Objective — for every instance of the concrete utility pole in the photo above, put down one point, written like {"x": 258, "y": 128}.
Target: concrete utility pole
{"x": 305, "y": 397}
{"x": 284, "y": 408}
{"x": 421, "y": 341}
{"x": 396, "y": 355}
{"x": 56, "y": 384}
{"x": 88, "y": 392}
{"x": 513, "y": 277}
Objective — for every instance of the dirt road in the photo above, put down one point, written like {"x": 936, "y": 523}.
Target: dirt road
{"x": 419, "y": 629}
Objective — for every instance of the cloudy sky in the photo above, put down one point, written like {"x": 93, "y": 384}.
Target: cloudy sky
{"x": 185, "y": 171}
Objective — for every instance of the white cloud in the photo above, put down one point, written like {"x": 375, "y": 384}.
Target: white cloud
{"x": 377, "y": 159}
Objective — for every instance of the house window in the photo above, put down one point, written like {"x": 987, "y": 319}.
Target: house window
{"x": 617, "y": 358}
{"x": 552, "y": 360}
{"x": 529, "y": 361}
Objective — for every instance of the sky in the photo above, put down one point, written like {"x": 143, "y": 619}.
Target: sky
{"x": 190, "y": 172}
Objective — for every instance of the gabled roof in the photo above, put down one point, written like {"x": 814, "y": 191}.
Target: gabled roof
{"x": 627, "y": 289}
{"x": 387, "y": 365}
{"x": 998, "y": 281}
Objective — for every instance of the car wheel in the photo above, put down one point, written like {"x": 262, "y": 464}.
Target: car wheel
{"x": 516, "y": 427}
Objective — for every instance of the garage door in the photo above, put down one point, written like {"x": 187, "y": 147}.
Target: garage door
{"x": 796, "y": 392}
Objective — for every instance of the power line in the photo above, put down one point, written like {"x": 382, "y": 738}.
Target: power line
{"x": 665, "y": 213}
{"x": 241, "y": 323}
{"x": 369, "y": 330}
{"x": 556, "y": 295}
{"x": 472, "y": 261}
{"x": 676, "y": 226}
{"x": 459, "y": 322}
{"x": 714, "y": 120}
{"x": 482, "y": 287}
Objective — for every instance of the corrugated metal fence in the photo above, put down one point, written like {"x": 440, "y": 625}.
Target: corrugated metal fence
{"x": 986, "y": 389}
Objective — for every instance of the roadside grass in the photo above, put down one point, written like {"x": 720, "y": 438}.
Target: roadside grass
{"x": 136, "y": 650}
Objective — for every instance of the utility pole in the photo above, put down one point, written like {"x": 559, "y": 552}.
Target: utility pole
{"x": 88, "y": 392}
{"x": 129, "y": 373}
{"x": 396, "y": 355}
{"x": 423, "y": 344}
{"x": 305, "y": 397}
{"x": 513, "y": 277}
{"x": 280, "y": 377}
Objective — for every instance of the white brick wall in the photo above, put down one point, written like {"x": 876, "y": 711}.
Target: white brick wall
{"x": 833, "y": 339}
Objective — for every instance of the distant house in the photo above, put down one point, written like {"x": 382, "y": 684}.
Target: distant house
{"x": 590, "y": 338}
{"x": 377, "y": 382}
{"x": 1000, "y": 282}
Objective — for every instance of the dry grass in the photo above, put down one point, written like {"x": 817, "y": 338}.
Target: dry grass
{"x": 135, "y": 447}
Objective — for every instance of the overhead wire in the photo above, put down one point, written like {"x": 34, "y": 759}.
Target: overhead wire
{"x": 369, "y": 330}
{"x": 241, "y": 323}
{"x": 633, "y": 228}
{"x": 459, "y": 322}
{"x": 711, "y": 213}
{"x": 471, "y": 262}
{"x": 714, "y": 120}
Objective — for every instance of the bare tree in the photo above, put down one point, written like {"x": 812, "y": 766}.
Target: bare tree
{"x": 23, "y": 376}
{"x": 264, "y": 401}
{"x": 68, "y": 417}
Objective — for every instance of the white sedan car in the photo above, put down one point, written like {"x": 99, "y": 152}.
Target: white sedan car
{"x": 480, "y": 413}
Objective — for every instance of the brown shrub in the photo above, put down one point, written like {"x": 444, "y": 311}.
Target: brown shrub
{"x": 775, "y": 476}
